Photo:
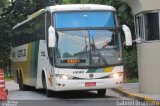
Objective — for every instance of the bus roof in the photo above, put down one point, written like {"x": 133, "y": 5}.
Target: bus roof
{"x": 79, "y": 7}
{"x": 68, "y": 7}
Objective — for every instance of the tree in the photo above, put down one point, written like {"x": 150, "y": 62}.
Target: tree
{"x": 5, "y": 35}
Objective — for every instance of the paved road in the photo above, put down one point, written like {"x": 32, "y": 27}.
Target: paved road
{"x": 74, "y": 98}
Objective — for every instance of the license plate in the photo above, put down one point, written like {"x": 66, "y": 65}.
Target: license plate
{"x": 89, "y": 84}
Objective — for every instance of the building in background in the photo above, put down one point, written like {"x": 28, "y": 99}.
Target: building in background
{"x": 147, "y": 24}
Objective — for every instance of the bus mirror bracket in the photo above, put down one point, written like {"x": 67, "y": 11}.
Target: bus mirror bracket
{"x": 128, "y": 36}
{"x": 51, "y": 37}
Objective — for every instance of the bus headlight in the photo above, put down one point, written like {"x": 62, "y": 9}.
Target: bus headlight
{"x": 64, "y": 77}
{"x": 117, "y": 75}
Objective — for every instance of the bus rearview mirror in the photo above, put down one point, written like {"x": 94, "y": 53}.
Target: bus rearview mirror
{"x": 51, "y": 37}
{"x": 128, "y": 36}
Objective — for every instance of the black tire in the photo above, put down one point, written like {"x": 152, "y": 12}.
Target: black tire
{"x": 18, "y": 78}
{"x": 101, "y": 92}
{"x": 48, "y": 92}
{"x": 21, "y": 85}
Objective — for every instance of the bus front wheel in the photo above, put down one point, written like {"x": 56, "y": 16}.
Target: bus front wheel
{"x": 48, "y": 92}
{"x": 101, "y": 92}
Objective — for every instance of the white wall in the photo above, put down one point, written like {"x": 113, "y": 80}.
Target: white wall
{"x": 143, "y": 5}
{"x": 149, "y": 67}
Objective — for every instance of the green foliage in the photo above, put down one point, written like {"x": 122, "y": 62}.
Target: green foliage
{"x": 4, "y": 3}
{"x": 131, "y": 80}
{"x": 5, "y": 35}
{"x": 130, "y": 62}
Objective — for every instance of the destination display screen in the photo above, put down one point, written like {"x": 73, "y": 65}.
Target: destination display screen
{"x": 73, "y": 61}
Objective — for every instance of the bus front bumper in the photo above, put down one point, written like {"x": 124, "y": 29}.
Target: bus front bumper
{"x": 93, "y": 84}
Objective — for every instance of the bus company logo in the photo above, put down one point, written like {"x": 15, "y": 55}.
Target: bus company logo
{"x": 91, "y": 76}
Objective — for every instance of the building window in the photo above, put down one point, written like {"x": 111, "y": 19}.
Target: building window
{"x": 140, "y": 26}
{"x": 147, "y": 26}
{"x": 152, "y": 26}
{"x": 31, "y": 31}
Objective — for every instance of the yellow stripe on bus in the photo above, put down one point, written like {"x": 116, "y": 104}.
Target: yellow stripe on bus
{"x": 108, "y": 69}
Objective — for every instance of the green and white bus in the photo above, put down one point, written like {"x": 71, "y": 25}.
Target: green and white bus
{"x": 69, "y": 47}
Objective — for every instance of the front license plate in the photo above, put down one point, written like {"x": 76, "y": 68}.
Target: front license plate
{"x": 89, "y": 84}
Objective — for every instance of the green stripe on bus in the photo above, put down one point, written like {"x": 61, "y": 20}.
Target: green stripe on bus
{"x": 34, "y": 60}
{"x": 91, "y": 71}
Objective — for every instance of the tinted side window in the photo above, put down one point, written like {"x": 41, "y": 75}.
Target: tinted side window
{"x": 31, "y": 31}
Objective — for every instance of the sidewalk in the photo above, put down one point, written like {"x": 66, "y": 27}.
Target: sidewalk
{"x": 11, "y": 85}
{"x": 132, "y": 90}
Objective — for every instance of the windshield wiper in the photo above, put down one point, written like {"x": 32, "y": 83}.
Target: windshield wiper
{"x": 99, "y": 53}
{"x": 82, "y": 53}
{"x": 95, "y": 49}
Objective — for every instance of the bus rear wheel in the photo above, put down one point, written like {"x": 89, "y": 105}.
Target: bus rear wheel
{"x": 21, "y": 85}
{"x": 48, "y": 92}
{"x": 101, "y": 92}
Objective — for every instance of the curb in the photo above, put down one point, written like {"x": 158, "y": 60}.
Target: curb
{"x": 136, "y": 96}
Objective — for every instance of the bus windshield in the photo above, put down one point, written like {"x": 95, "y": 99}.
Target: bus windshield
{"x": 93, "y": 48}
{"x": 86, "y": 39}
{"x": 84, "y": 19}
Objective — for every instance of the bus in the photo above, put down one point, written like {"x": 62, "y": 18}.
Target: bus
{"x": 69, "y": 47}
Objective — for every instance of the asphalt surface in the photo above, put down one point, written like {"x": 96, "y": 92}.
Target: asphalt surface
{"x": 70, "y": 98}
